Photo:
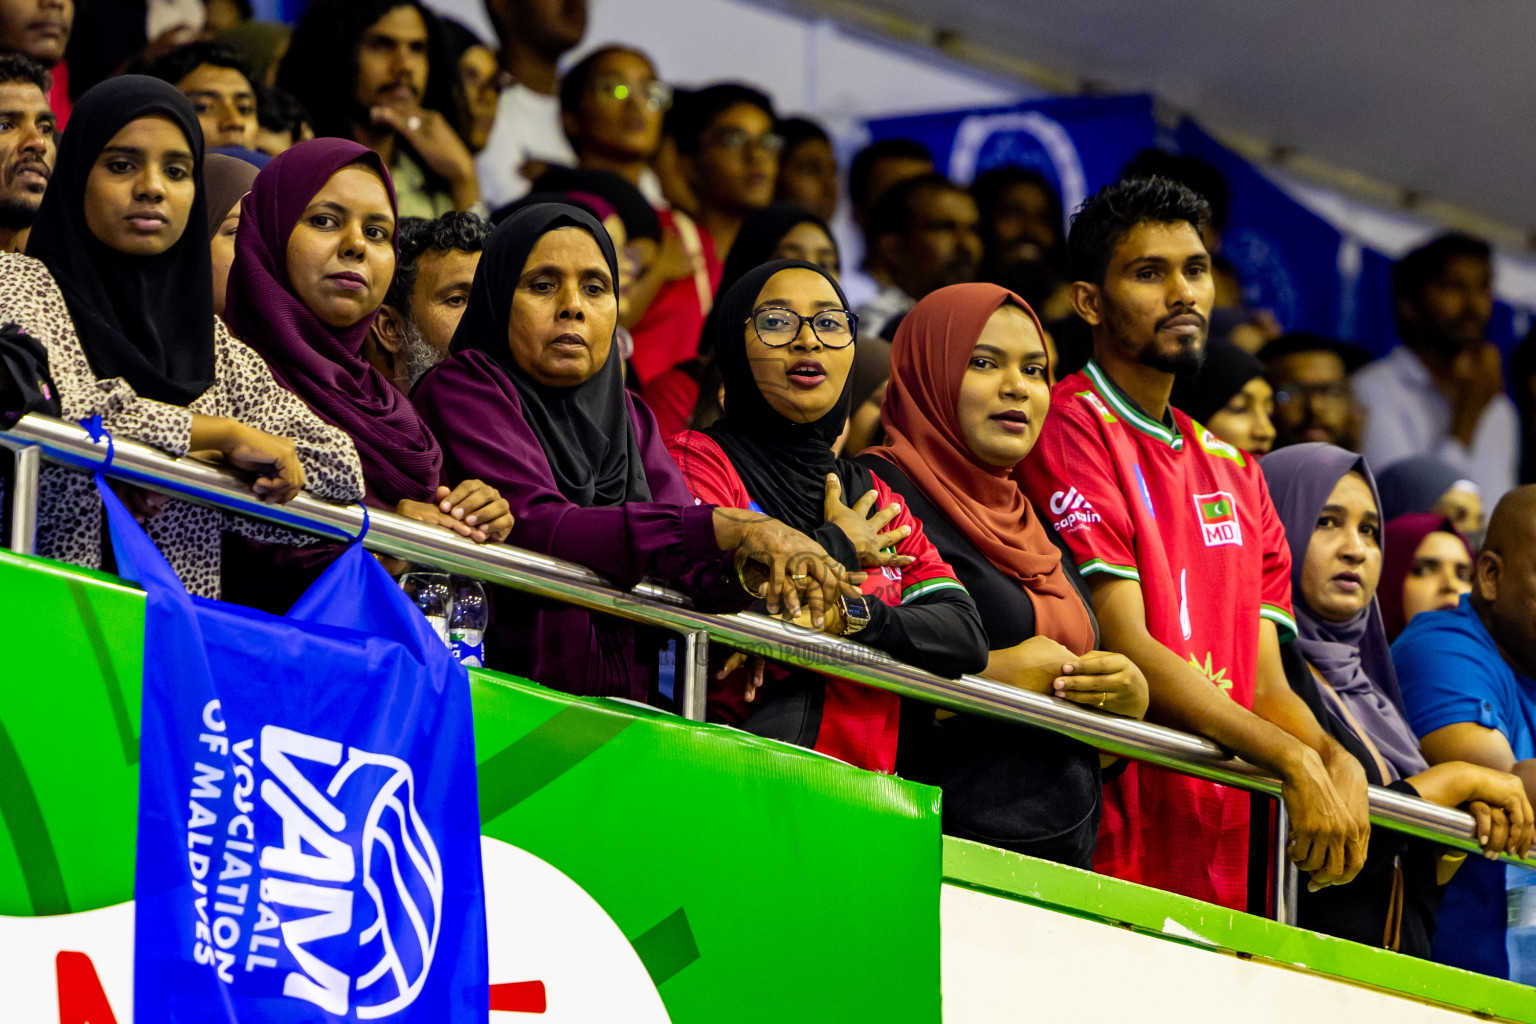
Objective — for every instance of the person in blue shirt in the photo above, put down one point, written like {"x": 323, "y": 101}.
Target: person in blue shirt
{"x": 1468, "y": 676}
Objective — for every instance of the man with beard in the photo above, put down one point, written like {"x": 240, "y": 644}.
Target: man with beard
{"x": 1442, "y": 391}
{"x": 374, "y": 71}
{"x": 26, "y": 146}
{"x": 1187, "y": 561}
{"x": 427, "y": 296}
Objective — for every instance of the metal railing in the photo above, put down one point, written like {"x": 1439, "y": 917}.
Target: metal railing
{"x": 35, "y": 438}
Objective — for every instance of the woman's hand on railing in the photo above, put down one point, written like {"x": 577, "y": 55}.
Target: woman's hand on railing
{"x": 1104, "y": 680}
{"x": 867, "y": 533}
{"x": 274, "y": 460}
{"x": 480, "y": 507}
{"x": 472, "y": 509}
{"x": 782, "y": 566}
{"x": 1497, "y": 800}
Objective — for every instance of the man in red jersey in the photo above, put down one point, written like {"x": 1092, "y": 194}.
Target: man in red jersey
{"x": 1188, "y": 564}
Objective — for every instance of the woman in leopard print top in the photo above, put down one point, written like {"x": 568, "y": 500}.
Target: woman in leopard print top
{"x": 120, "y": 295}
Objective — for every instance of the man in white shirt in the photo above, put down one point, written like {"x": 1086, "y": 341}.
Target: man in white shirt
{"x": 1442, "y": 391}
{"x": 527, "y": 135}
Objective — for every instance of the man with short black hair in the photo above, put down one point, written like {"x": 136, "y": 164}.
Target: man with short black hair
{"x": 427, "y": 297}
{"x": 27, "y": 148}
{"x": 1442, "y": 391}
{"x": 728, "y": 153}
{"x": 376, "y": 72}
{"x": 807, "y": 168}
{"x": 40, "y": 30}
{"x": 526, "y": 136}
{"x": 1187, "y": 561}
{"x": 1313, "y": 400}
{"x": 925, "y": 234}
{"x": 218, "y": 82}
{"x": 281, "y": 123}
{"x": 880, "y": 165}
{"x": 1468, "y": 676}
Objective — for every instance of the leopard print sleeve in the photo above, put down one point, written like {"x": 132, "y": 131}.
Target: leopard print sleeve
{"x": 252, "y": 396}
{"x": 30, "y": 298}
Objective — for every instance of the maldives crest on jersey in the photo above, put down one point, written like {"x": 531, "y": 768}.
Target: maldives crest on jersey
{"x": 1217, "y": 514}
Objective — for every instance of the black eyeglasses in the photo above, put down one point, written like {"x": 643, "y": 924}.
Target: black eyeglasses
{"x": 1288, "y": 391}
{"x": 655, "y": 95}
{"x": 777, "y": 327}
{"x": 733, "y": 139}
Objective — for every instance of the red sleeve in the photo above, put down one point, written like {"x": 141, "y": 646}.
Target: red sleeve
{"x": 1275, "y": 583}
{"x": 672, "y": 397}
{"x": 709, "y": 474}
{"x": 1070, "y": 477}
{"x": 928, "y": 572}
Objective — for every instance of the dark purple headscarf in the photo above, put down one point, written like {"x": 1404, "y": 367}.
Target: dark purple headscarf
{"x": 1353, "y": 657}
{"x": 320, "y": 364}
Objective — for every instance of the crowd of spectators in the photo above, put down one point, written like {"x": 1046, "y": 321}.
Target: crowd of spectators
{"x": 600, "y": 317}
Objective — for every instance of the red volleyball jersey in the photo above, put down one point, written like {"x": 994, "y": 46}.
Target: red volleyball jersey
{"x": 1189, "y": 517}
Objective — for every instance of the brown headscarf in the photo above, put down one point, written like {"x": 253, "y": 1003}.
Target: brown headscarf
{"x": 922, "y": 427}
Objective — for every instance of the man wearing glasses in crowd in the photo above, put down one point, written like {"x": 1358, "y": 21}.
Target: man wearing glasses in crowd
{"x": 728, "y": 151}
{"x": 1313, "y": 400}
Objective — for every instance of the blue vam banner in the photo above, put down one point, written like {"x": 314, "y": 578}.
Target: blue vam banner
{"x": 309, "y": 840}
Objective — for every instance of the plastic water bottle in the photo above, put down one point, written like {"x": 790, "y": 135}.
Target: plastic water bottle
{"x": 433, "y": 594}
{"x": 1520, "y": 936}
{"x": 466, "y": 628}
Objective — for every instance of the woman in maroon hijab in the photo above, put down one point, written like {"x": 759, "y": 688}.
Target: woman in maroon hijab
{"x": 313, "y": 260}
{"x": 532, "y": 399}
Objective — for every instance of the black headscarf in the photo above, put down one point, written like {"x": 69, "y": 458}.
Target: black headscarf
{"x": 585, "y": 431}
{"x": 783, "y": 464}
{"x": 761, "y": 232}
{"x": 147, "y": 319}
{"x": 639, "y": 217}
{"x": 1226, "y": 370}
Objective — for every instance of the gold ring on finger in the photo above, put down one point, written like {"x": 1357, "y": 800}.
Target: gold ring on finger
{"x": 1102, "y": 698}
{"x": 800, "y": 576}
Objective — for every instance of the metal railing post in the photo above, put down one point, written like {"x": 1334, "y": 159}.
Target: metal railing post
{"x": 693, "y": 669}
{"x": 29, "y": 462}
{"x": 1284, "y": 877}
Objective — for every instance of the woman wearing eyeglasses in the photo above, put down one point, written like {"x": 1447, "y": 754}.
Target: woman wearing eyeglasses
{"x": 611, "y": 108}
{"x": 784, "y": 341}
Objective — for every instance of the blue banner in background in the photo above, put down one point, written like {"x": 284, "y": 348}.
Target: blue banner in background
{"x": 1078, "y": 144}
{"x": 1290, "y": 260}
{"x": 1287, "y": 257}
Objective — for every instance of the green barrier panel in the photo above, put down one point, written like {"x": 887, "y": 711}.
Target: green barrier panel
{"x": 747, "y": 874}
{"x": 69, "y": 737}
{"x": 744, "y": 874}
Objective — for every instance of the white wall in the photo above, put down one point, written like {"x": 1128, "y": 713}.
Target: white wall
{"x": 1009, "y": 961}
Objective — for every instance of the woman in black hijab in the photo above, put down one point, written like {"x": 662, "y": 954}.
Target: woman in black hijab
{"x": 531, "y": 400}
{"x": 784, "y": 340}
{"x": 117, "y": 286}
{"x": 1230, "y": 396}
{"x": 689, "y": 395}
